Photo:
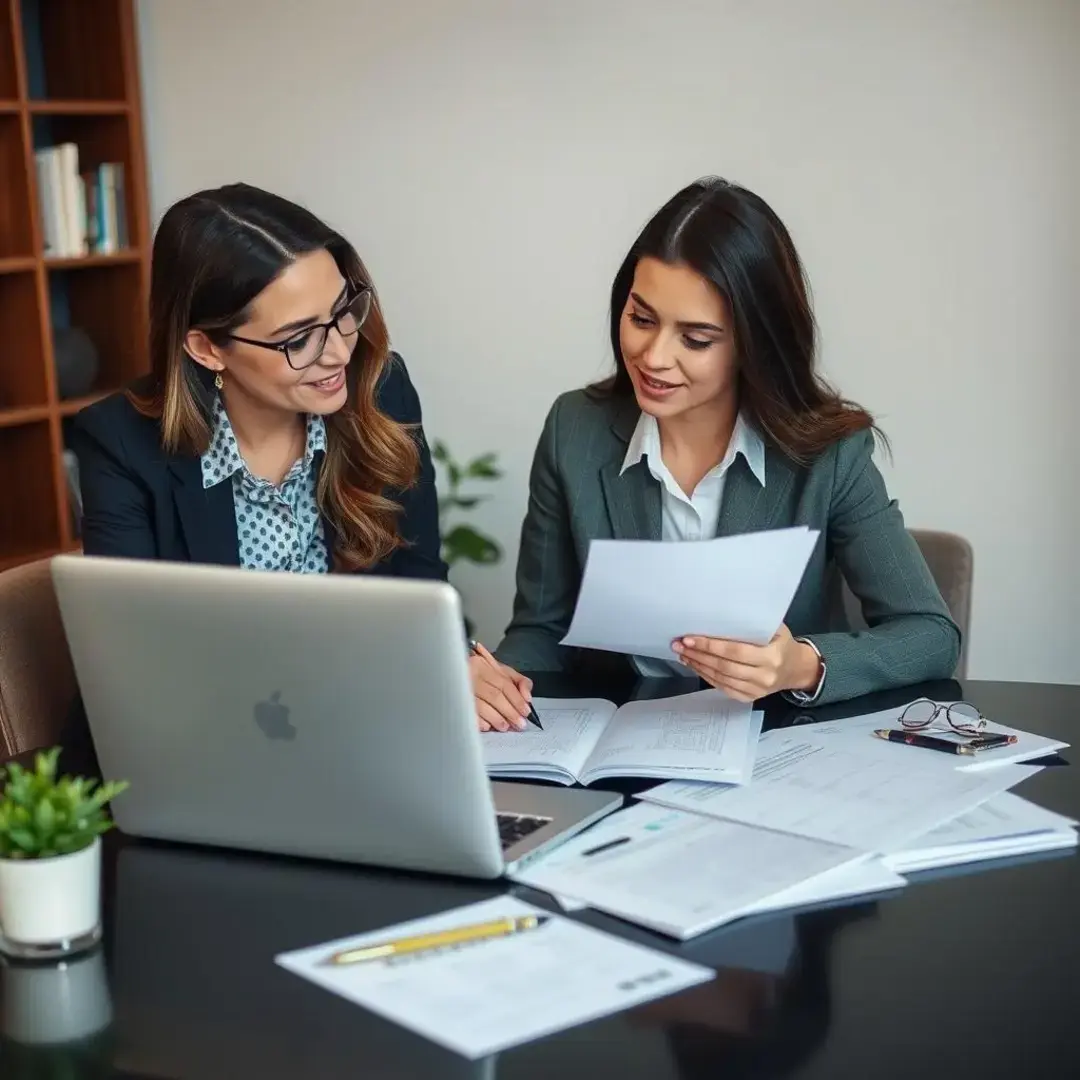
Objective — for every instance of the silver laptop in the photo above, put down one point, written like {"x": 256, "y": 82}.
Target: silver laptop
{"x": 317, "y": 715}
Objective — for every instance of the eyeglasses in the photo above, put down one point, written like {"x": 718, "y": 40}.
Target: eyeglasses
{"x": 306, "y": 347}
{"x": 961, "y": 716}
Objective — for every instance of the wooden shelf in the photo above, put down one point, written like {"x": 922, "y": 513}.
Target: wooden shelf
{"x": 69, "y": 72}
{"x": 30, "y": 414}
{"x": 70, "y": 406}
{"x": 15, "y": 264}
{"x": 78, "y": 262}
{"x": 77, "y": 108}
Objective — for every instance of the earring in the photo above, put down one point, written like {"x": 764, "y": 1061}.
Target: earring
{"x": 219, "y": 382}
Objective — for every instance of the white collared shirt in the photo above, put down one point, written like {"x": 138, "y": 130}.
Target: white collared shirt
{"x": 690, "y": 517}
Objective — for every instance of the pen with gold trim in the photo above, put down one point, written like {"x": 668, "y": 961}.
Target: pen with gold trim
{"x": 439, "y": 939}
{"x": 927, "y": 742}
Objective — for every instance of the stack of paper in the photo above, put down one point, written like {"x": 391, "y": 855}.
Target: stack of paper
{"x": 857, "y": 731}
{"x": 843, "y": 792}
{"x": 705, "y": 736}
{"x": 1001, "y": 826}
{"x": 682, "y": 874}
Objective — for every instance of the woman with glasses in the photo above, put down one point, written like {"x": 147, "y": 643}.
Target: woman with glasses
{"x": 277, "y": 430}
{"x": 717, "y": 422}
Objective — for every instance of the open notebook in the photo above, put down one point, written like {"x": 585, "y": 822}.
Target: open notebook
{"x": 700, "y": 736}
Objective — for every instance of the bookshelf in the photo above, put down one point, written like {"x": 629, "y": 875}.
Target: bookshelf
{"x": 68, "y": 75}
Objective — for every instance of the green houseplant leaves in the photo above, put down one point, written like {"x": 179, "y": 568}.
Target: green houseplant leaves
{"x": 463, "y": 542}
{"x": 42, "y": 816}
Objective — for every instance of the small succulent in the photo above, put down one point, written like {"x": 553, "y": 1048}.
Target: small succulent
{"x": 42, "y": 816}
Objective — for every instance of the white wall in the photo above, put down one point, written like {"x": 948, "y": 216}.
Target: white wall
{"x": 493, "y": 159}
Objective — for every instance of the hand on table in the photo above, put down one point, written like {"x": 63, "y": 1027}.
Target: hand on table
{"x": 502, "y": 695}
{"x": 748, "y": 672}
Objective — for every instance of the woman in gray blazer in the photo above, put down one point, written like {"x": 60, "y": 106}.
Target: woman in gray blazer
{"x": 717, "y": 422}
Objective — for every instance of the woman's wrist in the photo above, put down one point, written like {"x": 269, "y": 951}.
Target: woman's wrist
{"x": 806, "y": 670}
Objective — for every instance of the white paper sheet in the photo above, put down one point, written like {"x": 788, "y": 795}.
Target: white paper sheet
{"x": 679, "y": 874}
{"x": 637, "y": 596}
{"x": 857, "y": 728}
{"x": 842, "y": 791}
{"x": 1003, "y": 825}
{"x": 485, "y": 997}
{"x": 865, "y": 878}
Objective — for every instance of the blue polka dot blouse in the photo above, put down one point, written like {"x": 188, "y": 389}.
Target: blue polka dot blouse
{"x": 278, "y": 527}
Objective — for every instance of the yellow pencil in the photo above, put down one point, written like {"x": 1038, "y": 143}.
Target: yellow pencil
{"x": 437, "y": 940}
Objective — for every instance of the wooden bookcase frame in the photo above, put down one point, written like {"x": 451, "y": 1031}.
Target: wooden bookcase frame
{"x": 69, "y": 72}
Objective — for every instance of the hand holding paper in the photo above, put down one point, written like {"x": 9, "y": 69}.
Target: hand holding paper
{"x": 748, "y": 672}
{"x": 638, "y": 596}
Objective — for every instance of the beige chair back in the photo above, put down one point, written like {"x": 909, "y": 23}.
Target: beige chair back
{"x": 951, "y": 561}
{"x": 37, "y": 681}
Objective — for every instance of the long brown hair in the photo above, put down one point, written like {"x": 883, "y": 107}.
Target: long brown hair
{"x": 214, "y": 252}
{"x": 734, "y": 240}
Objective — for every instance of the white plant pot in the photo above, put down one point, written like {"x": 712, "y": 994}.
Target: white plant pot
{"x": 51, "y": 907}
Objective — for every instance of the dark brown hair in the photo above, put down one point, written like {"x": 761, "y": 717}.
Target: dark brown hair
{"x": 734, "y": 240}
{"x": 214, "y": 252}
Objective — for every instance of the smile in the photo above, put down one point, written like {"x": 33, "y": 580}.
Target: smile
{"x": 331, "y": 384}
{"x": 655, "y": 387}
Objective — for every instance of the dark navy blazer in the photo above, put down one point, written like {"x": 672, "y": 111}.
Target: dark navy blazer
{"x": 140, "y": 502}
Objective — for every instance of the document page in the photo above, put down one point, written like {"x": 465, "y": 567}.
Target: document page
{"x": 700, "y": 736}
{"x": 637, "y": 596}
{"x": 680, "y": 874}
{"x": 845, "y": 793}
{"x": 1003, "y": 825}
{"x": 572, "y": 729}
{"x": 856, "y": 729}
{"x": 494, "y": 994}
{"x": 863, "y": 878}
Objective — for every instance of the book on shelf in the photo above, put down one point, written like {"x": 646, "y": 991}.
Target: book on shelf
{"x": 82, "y": 212}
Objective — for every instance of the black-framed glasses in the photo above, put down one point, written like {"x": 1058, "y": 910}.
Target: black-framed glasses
{"x": 304, "y": 348}
{"x": 961, "y": 716}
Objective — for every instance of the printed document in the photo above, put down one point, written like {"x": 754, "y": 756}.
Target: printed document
{"x": 679, "y": 874}
{"x": 486, "y": 996}
{"x": 699, "y": 736}
{"x": 1001, "y": 826}
{"x": 638, "y": 596}
{"x": 843, "y": 791}
{"x": 857, "y": 729}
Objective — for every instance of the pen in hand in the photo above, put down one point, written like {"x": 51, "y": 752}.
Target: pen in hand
{"x": 478, "y": 650}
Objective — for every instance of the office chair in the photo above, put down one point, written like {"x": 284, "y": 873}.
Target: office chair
{"x": 951, "y": 561}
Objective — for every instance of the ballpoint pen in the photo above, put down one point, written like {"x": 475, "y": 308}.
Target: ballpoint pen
{"x": 946, "y": 746}
{"x": 478, "y": 650}
{"x": 440, "y": 939}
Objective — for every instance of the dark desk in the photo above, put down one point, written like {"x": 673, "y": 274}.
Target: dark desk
{"x": 972, "y": 974}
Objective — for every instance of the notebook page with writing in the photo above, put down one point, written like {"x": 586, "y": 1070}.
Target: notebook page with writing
{"x": 572, "y": 728}
{"x": 703, "y": 736}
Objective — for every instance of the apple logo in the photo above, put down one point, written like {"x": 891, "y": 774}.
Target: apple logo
{"x": 273, "y": 718}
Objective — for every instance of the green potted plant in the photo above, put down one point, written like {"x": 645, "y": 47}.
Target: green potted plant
{"x": 462, "y": 541}
{"x": 50, "y": 858}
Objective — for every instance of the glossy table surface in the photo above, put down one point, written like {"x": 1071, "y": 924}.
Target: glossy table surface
{"x": 966, "y": 974}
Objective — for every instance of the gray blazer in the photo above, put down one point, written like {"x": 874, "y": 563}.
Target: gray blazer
{"x": 576, "y": 495}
